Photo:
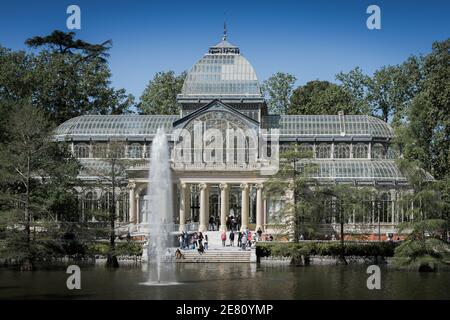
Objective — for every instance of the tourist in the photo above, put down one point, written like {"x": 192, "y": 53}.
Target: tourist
{"x": 249, "y": 238}
{"x": 228, "y": 223}
{"x": 181, "y": 240}
{"x": 270, "y": 237}
{"x": 178, "y": 254}
{"x": 232, "y": 238}
{"x": 201, "y": 249}
{"x": 259, "y": 232}
{"x": 186, "y": 239}
{"x": 238, "y": 223}
{"x": 333, "y": 237}
{"x": 239, "y": 243}
{"x": 211, "y": 224}
{"x": 244, "y": 241}
{"x": 224, "y": 238}
{"x": 206, "y": 242}
{"x": 195, "y": 240}
{"x": 200, "y": 239}
{"x": 301, "y": 238}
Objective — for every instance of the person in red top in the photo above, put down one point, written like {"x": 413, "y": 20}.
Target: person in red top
{"x": 223, "y": 236}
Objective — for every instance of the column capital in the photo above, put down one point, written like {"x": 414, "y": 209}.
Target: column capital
{"x": 184, "y": 185}
{"x": 203, "y": 185}
{"x": 259, "y": 186}
{"x": 223, "y": 186}
{"x": 244, "y": 186}
{"x": 131, "y": 184}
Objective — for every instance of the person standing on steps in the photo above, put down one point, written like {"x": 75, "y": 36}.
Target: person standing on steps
{"x": 239, "y": 243}
{"x": 206, "y": 242}
{"x": 259, "y": 232}
{"x": 232, "y": 238}
{"x": 223, "y": 237}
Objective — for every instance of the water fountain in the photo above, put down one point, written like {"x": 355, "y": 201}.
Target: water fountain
{"x": 158, "y": 213}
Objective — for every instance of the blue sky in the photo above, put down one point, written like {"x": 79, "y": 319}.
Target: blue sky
{"x": 310, "y": 39}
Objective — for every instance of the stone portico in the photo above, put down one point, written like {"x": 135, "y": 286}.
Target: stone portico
{"x": 184, "y": 211}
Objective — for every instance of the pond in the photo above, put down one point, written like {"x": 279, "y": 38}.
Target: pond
{"x": 225, "y": 281}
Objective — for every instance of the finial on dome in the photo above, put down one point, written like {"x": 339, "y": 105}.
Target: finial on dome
{"x": 224, "y": 38}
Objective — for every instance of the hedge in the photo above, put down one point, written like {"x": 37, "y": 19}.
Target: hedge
{"x": 122, "y": 249}
{"x": 362, "y": 249}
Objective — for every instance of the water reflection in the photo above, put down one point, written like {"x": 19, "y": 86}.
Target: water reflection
{"x": 226, "y": 281}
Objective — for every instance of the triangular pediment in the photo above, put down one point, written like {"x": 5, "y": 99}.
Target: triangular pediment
{"x": 215, "y": 106}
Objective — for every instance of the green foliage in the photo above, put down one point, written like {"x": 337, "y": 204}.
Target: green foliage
{"x": 323, "y": 97}
{"x": 278, "y": 90}
{"x": 122, "y": 249}
{"x": 372, "y": 249}
{"x": 160, "y": 95}
{"x": 36, "y": 175}
{"x": 66, "y": 78}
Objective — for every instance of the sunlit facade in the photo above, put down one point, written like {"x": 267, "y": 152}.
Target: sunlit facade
{"x": 222, "y": 91}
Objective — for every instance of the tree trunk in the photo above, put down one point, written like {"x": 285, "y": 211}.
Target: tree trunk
{"x": 111, "y": 261}
{"x": 341, "y": 218}
{"x": 27, "y": 263}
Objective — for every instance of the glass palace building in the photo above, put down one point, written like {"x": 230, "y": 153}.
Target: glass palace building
{"x": 221, "y": 91}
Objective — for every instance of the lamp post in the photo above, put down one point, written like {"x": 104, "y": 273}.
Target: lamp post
{"x": 379, "y": 227}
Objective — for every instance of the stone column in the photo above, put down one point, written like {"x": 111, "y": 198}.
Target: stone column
{"x": 244, "y": 205}
{"x": 185, "y": 206}
{"x": 132, "y": 200}
{"x": 204, "y": 207}
{"x": 224, "y": 205}
{"x": 259, "y": 207}
{"x": 138, "y": 209}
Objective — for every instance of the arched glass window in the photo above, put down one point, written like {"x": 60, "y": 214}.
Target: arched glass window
{"x": 392, "y": 152}
{"x": 81, "y": 150}
{"x": 148, "y": 151}
{"x": 323, "y": 151}
{"x": 341, "y": 150}
{"x": 90, "y": 204}
{"x": 306, "y": 150}
{"x": 378, "y": 151}
{"x": 135, "y": 151}
{"x": 100, "y": 150}
{"x": 106, "y": 201}
{"x": 385, "y": 207}
{"x": 360, "y": 151}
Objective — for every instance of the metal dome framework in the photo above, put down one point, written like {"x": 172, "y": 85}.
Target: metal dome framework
{"x": 222, "y": 72}
{"x": 103, "y": 127}
{"x": 328, "y": 126}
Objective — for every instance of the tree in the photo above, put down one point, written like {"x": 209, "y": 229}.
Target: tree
{"x": 349, "y": 202}
{"x": 322, "y": 97}
{"x": 355, "y": 83}
{"x": 65, "y": 43}
{"x": 160, "y": 95}
{"x": 112, "y": 179}
{"x": 295, "y": 182}
{"x": 278, "y": 90}
{"x": 388, "y": 93}
{"x": 33, "y": 169}
{"x": 66, "y": 78}
{"x": 424, "y": 246}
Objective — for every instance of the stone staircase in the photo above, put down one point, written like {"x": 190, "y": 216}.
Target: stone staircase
{"x": 228, "y": 256}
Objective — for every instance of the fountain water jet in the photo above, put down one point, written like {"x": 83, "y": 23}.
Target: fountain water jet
{"x": 158, "y": 214}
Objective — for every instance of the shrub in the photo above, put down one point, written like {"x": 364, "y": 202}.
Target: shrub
{"x": 361, "y": 249}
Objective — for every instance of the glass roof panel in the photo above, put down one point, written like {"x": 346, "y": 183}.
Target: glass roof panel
{"x": 328, "y": 125}
{"x": 115, "y": 125}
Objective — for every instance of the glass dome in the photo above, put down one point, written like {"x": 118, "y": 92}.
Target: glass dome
{"x": 222, "y": 72}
